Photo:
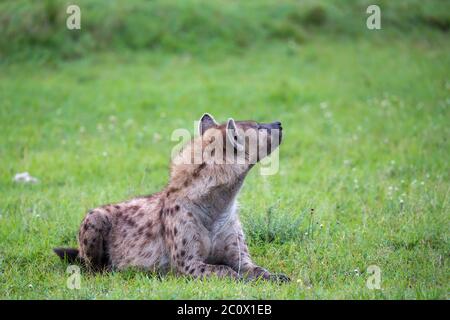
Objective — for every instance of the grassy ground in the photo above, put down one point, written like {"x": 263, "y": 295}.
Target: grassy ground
{"x": 366, "y": 146}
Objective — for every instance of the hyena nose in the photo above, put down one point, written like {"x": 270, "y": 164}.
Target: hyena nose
{"x": 270, "y": 126}
{"x": 277, "y": 125}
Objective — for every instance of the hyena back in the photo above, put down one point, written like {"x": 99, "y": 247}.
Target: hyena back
{"x": 192, "y": 226}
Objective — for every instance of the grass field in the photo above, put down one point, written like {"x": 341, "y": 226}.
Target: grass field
{"x": 366, "y": 127}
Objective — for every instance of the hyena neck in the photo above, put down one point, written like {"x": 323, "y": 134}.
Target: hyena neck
{"x": 216, "y": 206}
{"x": 221, "y": 199}
{"x": 207, "y": 190}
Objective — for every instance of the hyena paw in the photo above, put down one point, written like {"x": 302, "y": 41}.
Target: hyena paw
{"x": 279, "y": 277}
{"x": 243, "y": 279}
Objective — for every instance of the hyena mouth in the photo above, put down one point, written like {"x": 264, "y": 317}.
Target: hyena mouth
{"x": 273, "y": 128}
{"x": 280, "y": 131}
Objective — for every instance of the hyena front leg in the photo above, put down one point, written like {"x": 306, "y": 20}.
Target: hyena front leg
{"x": 200, "y": 269}
{"x": 236, "y": 255}
{"x": 188, "y": 252}
{"x": 188, "y": 260}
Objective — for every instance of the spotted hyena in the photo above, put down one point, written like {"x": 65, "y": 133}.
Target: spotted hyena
{"x": 192, "y": 226}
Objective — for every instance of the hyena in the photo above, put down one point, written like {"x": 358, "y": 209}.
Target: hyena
{"x": 192, "y": 225}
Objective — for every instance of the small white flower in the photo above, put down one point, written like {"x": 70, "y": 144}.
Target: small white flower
{"x": 156, "y": 137}
{"x": 25, "y": 177}
{"x": 128, "y": 123}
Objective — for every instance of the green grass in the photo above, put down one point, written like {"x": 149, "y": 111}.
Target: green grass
{"x": 366, "y": 146}
{"x": 37, "y": 28}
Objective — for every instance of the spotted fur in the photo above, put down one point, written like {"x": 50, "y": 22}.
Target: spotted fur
{"x": 191, "y": 227}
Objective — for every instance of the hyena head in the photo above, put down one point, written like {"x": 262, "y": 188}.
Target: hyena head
{"x": 238, "y": 142}
{"x": 222, "y": 154}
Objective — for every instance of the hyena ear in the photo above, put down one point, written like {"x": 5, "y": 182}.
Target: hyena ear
{"x": 232, "y": 135}
{"x": 206, "y": 121}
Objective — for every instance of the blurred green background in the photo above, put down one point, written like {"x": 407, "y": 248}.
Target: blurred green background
{"x": 36, "y": 28}
{"x": 365, "y": 113}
